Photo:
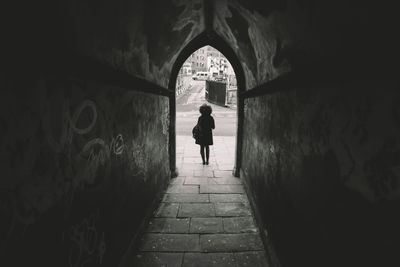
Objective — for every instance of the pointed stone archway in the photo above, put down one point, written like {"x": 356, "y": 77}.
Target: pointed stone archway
{"x": 213, "y": 39}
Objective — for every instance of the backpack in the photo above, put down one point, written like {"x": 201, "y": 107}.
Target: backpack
{"x": 196, "y": 132}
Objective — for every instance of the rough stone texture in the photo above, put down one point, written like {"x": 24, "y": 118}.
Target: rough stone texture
{"x": 199, "y": 181}
{"x": 186, "y": 172}
{"x": 227, "y": 181}
{"x": 211, "y": 181}
{"x": 239, "y": 225}
{"x": 230, "y": 242}
{"x": 78, "y": 170}
{"x": 196, "y": 210}
{"x": 322, "y": 165}
{"x": 209, "y": 259}
{"x": 219, "y": 238}
{"x": 178, "y": 180}
{"x": 183, "y": 189}
{"x": 252, "y": 259}
{"x": 203, "y": 173}
{"x": 272, "y": 38}
{"x": 140, "y": 37}
{"x": 167, "y": 210}
{"x": 186, "y": 198}
{"x": 168, "y": 225}
{"x": 224, "y": 174}
{"x": 157, "y": 259}
{"x": 143, "y": 38}
{"x": 170, "y": 242}
{"x": 255, "y": 37}
{"x": 228, "y": 198}
{"x": 232, "y": 209}
{"x": 221, "y": 189}
{"x": 206, "y": 225}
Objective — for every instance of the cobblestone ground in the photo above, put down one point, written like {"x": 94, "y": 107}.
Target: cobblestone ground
{"x": 204, "y": 218}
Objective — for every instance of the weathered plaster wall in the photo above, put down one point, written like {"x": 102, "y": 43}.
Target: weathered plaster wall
{"x": 274, "y": 37}
{"x": 140, "y": 37}
{"x": 81, "y": 164}
{"x": 254, "y": 37}
{"x": 323, "y": 167}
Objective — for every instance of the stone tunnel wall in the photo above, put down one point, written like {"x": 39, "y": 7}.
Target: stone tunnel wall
{"x": 82, "y": 164}
{"x": 140, "y": 37}
{"x": 274, "y": 37}
{"x": 323, "y": 167}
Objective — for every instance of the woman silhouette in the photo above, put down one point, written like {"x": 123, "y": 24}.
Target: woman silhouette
{"x": 206, "y": 124}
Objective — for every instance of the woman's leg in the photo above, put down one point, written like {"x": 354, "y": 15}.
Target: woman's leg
{"x": 202, "y": 153}
{"x": 207, "y": 153}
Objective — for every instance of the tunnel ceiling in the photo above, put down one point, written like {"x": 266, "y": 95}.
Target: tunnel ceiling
{"x": 144, "y": 37}
{"x": 259, "y": 32}
{"x": 141, "y": 37}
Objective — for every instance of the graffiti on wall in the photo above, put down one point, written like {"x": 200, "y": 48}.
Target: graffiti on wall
{"x": 74, "y": 152}
{"x": 88, "y": 244}
{"x": 253, "y": 33}
{"x": 71, "y": 141}
{"x": 360, "y": 138}
{"x": 141, "y": 37}
{"x": 85, "y": 165}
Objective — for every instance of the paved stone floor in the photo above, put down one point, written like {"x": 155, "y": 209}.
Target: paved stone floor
{"x": 204, "y": 218}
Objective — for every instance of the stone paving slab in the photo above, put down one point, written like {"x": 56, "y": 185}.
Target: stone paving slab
{"x": 167, "y": 210}
{"x": 223, "y": 181}
{"x": 252, "y": 259}
{"x": 199, "y": 167}
{"x": 204, "y": 173}
{"x": 184, "y": 173}
{"x": 204, "y": 218}
{"x": 158, "y": 259}
{"x": 178, "y": 180}
{"x": 197, "y": 159}
{"x": 225, "y": 174}
{"x": 170, "y": 242}
{"x": 239, "y": 225}
{"x": 199, "y": 181}
{"x": 209, "y": 259}
{"x": 206, "y": 225}
{"x": 185, "y": 189}
{"x": 192, "y": 167}
{"x": 232, "y": 209}
{"x": 230, "y": 242}
{"x": 228, "y": 198}
{"x": 186, "y": 198}
{"x": 224, "y": 167}
{"x": 225, "y": 158}
{"x": 221, "y": 189}
{"x": 168, "y": 225}
{"x": 196, "y": 210}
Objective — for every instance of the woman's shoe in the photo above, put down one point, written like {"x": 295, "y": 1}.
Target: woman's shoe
{"x": 204, "y": 163}
{"x": 207, "y": 163}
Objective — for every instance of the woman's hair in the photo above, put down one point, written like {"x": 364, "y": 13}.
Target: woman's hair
{"x": 205, "y": 109}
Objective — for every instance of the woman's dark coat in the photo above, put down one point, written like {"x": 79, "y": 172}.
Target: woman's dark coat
{"x": 206, "y": 123}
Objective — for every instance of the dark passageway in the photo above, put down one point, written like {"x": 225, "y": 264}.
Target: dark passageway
{"x": 89, "y": 141}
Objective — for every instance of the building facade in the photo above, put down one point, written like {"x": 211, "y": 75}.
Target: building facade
{"x": 216, "y": 64}
{"x": 199, "y": 60}
{"x": 183, "y": 80}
